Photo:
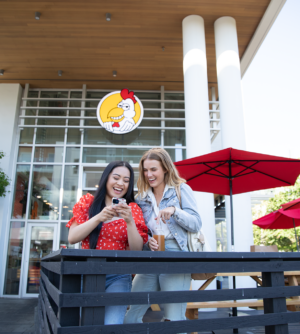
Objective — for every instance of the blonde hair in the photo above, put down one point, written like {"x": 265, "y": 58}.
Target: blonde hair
{"x": 172, "y": 177}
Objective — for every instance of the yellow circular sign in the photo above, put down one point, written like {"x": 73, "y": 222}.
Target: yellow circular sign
{"x": 120, "y": 112}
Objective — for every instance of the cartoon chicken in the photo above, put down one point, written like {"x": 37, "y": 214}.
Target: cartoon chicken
{"x": 121, "y": 117}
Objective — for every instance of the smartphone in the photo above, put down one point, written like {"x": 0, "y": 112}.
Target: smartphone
{"x": 116, "y": 201}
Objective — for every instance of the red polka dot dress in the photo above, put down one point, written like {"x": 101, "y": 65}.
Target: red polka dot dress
{"x": 113, "y": 235}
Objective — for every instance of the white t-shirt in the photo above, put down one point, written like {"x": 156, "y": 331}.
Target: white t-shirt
{"x": 152, "y": 223}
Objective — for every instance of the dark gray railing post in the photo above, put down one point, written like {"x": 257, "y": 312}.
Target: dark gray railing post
{"x": 274, "y": 305}
{"x": 93, "y": 283}
{"x": 69, "y": 316}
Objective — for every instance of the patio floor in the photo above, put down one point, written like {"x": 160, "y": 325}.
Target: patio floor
{"x": 17, "y": 316}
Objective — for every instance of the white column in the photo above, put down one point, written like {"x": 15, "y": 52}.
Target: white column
{"x": 232, "y": 126}
{"x": 10, "y": 97}
{"x": 197, "y": 112}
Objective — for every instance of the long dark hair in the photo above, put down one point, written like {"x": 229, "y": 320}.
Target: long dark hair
{"x": 99, "y": 200}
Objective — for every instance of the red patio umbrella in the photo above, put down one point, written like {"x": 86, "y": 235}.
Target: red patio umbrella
{"x": 295, "y": 204}
{"x": 232, "y": 171}
{"x": 280, "y": 219}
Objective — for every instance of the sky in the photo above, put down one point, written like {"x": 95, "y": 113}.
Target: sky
{"x": 271, "y": 89}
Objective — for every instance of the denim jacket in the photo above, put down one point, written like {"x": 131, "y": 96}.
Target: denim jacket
{"x": 183, "y": 220}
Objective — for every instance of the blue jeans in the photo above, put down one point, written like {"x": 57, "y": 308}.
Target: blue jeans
{"x": 116, "y": 283}
{"x": 160, "y": 282}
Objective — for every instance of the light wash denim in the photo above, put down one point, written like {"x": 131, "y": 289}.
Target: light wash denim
{"x": 160, "y": 282}
{"x": 116, "y": 283}
{"x": 186, "y": 217}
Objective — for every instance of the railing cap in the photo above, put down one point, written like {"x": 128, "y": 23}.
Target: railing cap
{"x": 72, "y": 254}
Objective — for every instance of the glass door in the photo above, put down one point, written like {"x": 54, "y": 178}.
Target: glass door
{"x": 41, "y": 240}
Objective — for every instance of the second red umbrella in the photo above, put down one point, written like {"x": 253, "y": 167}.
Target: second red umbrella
{"x": 280, "y": 219}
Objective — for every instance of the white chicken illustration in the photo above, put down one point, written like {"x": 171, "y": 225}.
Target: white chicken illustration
{"x": 122, "y": 115}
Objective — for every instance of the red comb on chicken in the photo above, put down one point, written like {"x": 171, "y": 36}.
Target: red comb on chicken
{"x": 127, "y": 95}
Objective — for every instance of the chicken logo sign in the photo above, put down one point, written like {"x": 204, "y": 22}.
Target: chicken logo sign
{"x": 120, "y": 112}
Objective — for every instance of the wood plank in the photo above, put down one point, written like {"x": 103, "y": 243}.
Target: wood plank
{"x": 69, "y": 316}
{"x": 94, "y": 299}
{"x": 236, "y": 303}
{"x": 93, "y": 267}
{"x": 274, "y": 305}
{"x": 94, "y": 284}
{"x": 172, "y": 327}
{"x": 79, "y": 41}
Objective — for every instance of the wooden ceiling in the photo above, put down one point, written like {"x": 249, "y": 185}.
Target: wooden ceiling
{"x": 74, "y": 36}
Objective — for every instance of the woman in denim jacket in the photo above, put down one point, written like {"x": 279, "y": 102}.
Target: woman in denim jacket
{"x": 164, "y": 197}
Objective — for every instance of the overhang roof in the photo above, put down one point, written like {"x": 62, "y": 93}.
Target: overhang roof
{"x": 74, "y": 36}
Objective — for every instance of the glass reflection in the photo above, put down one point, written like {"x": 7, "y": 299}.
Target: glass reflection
{"x": 26, "y": 136}
{"x": 74, "y": 136}
{"x": 41, "y": 244}
{"x": 70, "y": 191}
{"x": 24, "y": 154}
{"x": 173, "y": 138}
{"x": 72, "y": 154}
{"x": 64, "y": 232}
{"x": 14, "y": 258}
{"x": 44, "y": 199}
{"x": 20, "y": 192}
{"x": 135, "y": 137}
{"x": 48, "y": 154}
{"x": 50, "y": 136}
{"x": 106, "y": 155}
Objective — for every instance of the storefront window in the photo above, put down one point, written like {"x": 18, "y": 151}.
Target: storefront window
{"x": 109, "y": 154}
{"x": 21, "y": 192}
{"x": 51, "y": 112}
{"x": 48, "y": 154}
{"x": 51, "y": 121}
{"x": 50, "y": 135}
{"x": 135, "y": 137}
{"x": 54, "y": 94}
{"x": 14, "y": 258}
{"x": 24, "y": 154}
{"x": 64, "y": 232}
{"x": 26, "y": 136}
{"x": 74, "y": 136}
{"x": 70, "y": 191}
{"x": 177, "y": 154}
{"x": 173, "y": 138}
{"x": 44, "y": 199}
{"x": 72, "y": 154}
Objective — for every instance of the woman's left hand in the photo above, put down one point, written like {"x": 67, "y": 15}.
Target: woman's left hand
{"x": 124, "y": 212}
{"x": 165, "y": 214}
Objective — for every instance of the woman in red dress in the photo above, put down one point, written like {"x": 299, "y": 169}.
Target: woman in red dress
{"x": 99, "y": 225}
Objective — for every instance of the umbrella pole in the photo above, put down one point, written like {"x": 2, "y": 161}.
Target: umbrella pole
{"x": 231, "y": 216}
{"x": 234, "y": 309}
{"x": 296, "y": 235}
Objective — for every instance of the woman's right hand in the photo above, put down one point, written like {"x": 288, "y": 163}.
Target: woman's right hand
{"x": 153, "y": 244}
{"x": 106, "y": 214}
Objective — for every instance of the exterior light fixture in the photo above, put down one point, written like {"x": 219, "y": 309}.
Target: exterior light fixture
{"x": 163, "y": 48}
{"x": 114, "y": 73}
{"x": 59, "y": 73}
{"x": 37, "y": 15}
{"x": 108, "y": 16}
{"x": 1, "y": 72}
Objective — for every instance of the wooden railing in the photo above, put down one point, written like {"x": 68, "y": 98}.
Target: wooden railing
{"x": 68, "y": 303}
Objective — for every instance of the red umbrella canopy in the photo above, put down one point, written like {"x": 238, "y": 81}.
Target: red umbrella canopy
{"x": 279, "y": 220}
{"x": 295, "y": 204}
{"x": 248, "y": 171}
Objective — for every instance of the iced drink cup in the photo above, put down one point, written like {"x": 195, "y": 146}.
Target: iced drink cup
{"x": 160, "y": 238}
